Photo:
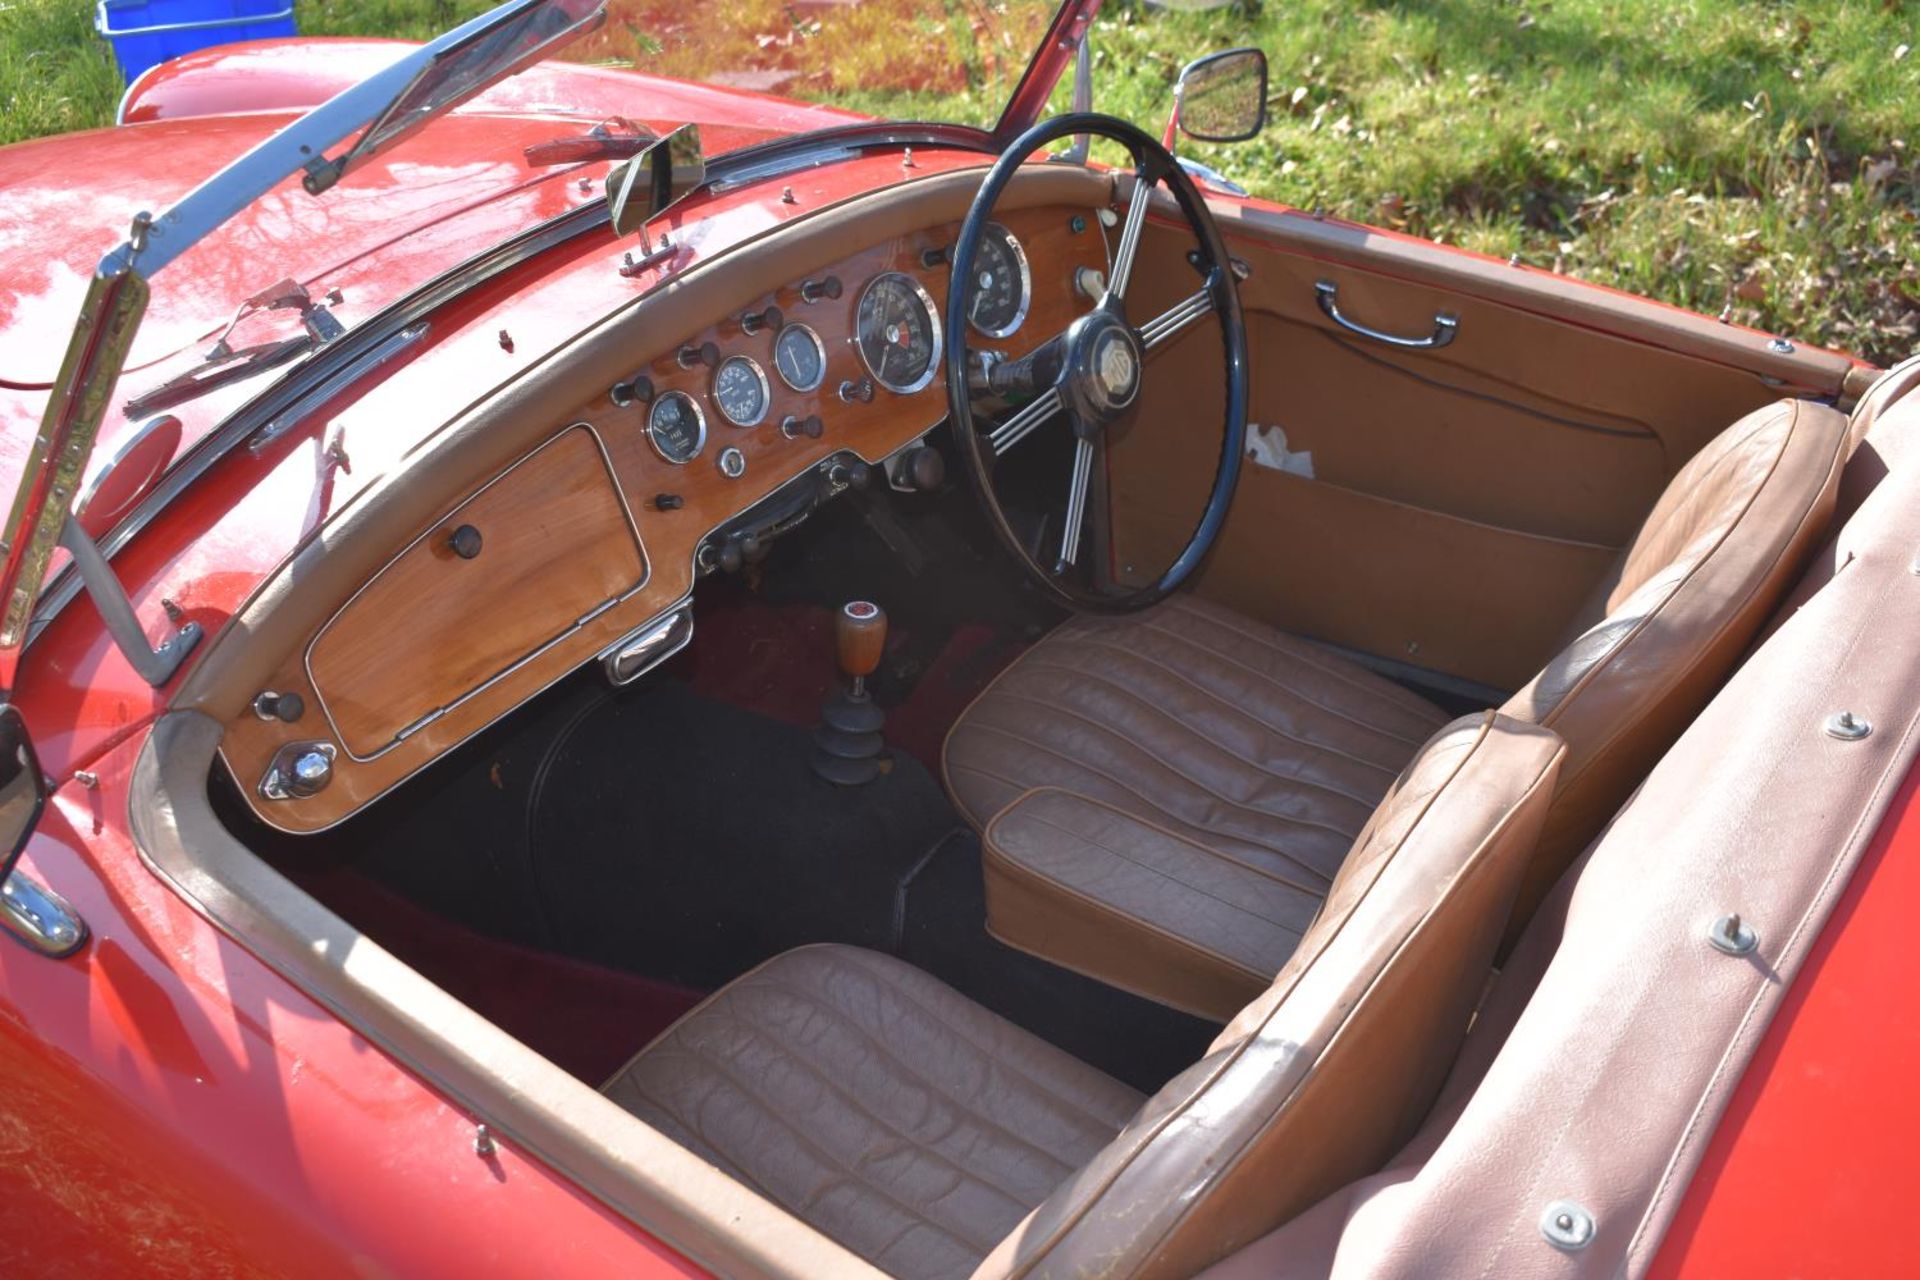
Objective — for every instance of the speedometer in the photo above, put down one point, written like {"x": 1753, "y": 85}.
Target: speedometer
{"x": 676, "y": 428}
{"x": 898, "y": 332}
{"x": 740, "y": 389}
{"x": 1001, "y": 285}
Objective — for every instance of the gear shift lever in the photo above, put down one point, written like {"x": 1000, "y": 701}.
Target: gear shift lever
{"x": 847, "y": 745}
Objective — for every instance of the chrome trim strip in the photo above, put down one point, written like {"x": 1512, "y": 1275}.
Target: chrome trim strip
{"x": 39, "y": 917}
{"x": 335, "y": 382}
{"x": 1175, "y": 318}
{"x": 646, "y": 575}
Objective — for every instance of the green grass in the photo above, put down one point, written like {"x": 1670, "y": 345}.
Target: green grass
{"x": 1757, "y": 156}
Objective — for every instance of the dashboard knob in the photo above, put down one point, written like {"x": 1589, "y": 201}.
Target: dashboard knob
{"x": 637, "y": 388}
{"x": 465, "y": 542}
{"x": 849, "y": 475}
{"x": 755, "y": 321}
{"x": 287, "y": 707}
{"x": 861, "y": 391}
{"x": 925, "y": 468}
{"x": 706, "y": 353}
{"x": 668, "y": 502}
{"x": 729, "y": 556}
{"x": 931, "y": 258}
{"x": 793, "y": 427}
{"x": 814, "y": 290}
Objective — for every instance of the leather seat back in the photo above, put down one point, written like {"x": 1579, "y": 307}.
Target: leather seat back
{"x": 1685, "y": 600}
{"x": 1325, "y": 1075}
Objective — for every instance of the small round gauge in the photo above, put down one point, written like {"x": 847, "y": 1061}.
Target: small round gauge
{"x": 1001, "y": 284}
{"x": 800, "y": 357}
{"x": 676, "y": 428}
{"x": 898, "y": 332}
{"x": 740, "y": 389}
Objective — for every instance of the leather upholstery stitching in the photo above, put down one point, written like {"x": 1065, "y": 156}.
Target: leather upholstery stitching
{"x": 1123, "y": 856}
{"x": 1168, "y": 813}
{"x": 1303, "y": 652}
{"x": 716, "y": 1064}
{"x": 1263, "y": 724}
{"x": 1412, "y": 743}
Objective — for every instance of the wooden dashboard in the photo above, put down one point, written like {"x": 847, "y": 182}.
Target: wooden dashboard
{"x": 592, "y": 535}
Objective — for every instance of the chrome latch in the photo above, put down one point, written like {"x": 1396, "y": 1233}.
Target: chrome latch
{"x": 299, "y": 770}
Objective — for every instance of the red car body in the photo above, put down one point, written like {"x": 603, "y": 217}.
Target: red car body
{"x": 173, "y": 1107}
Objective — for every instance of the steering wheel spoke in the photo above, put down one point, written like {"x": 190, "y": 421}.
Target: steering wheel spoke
{"x": 1024, "y": 421}
{"x": 1077, "y": 489}
{"x": 1131, "y": 225}
{"x": 1182, "y": 314}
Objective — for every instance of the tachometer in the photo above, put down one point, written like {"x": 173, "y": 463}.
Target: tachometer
{"x": 1001, "y": 285}
{"x": 740, "y": 389}
{"x": 676, "y": 428}
{"x": 898, "y": 332}
{"x": 800, "y": 357}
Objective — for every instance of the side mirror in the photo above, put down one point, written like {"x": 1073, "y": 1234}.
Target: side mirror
{"x": 23, "y": 788}
{"x": 668, "y": 171}
{"x": 1221, "y": 97}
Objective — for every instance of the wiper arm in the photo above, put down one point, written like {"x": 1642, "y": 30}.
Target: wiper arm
{"x": 224, "y": 365}
{"x": 218, "y": 371}
{"x": 614, "y": 138}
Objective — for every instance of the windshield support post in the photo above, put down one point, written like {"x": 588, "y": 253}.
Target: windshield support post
{"x": 1082, "y": 100}
{"x": 153, "y": 663}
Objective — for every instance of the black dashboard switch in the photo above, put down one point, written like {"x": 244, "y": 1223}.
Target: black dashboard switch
{"x": 639, "y": 387}
{"x": 668, "y": 502}
{"x": 814, "y": 290}
{"x": 706, "y": 353}
{"x": 755, "y": 321}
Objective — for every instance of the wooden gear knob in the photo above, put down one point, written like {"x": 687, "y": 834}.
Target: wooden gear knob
{"x": 859, "y": 637}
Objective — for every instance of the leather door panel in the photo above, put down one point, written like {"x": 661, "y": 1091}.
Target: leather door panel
{"x": 1462, "y": 501}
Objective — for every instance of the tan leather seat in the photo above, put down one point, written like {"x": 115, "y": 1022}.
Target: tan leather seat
{"x": 937, "y": 1140}
{"x": 1257, "y": 756}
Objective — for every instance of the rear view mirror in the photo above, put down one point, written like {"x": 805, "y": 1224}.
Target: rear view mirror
{"x": 1223, "y": 96}
{"x": 669, "y": 170}
{"x": 23, "y": 788}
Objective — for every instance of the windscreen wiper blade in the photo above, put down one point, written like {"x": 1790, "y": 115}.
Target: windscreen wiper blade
{"x": 218, "y": 371}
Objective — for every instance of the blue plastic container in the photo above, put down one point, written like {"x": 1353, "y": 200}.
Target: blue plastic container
{"x": 145, "y": 32}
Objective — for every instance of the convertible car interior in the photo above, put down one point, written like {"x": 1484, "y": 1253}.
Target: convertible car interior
{"x": 1064, "y": 825}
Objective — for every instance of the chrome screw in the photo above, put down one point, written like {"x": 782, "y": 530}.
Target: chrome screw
{"x": 1567, "y": 1225}
{"x": 1847, "y": 726}
{"x": 483, "y": 1142}
{"x": 1733, "y": 935}
{"x": 1780, "y": 347}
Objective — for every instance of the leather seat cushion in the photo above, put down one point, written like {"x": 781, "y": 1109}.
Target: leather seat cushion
{"x": 1269, "y": 750}
{"x": 1328, "y": 1072}
{"x": 1711, "y": 562}
{"x": 877, "y": 1104}
{"x": 1138, "y": 906}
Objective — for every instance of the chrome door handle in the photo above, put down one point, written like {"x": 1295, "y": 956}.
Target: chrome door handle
{"x": 40, "y": 917}
{"x": 1445, "y": 323}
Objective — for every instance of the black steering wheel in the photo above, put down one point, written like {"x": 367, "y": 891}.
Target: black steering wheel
{"x": 1086, "y": 378}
